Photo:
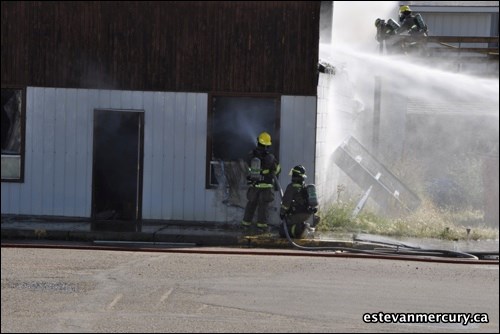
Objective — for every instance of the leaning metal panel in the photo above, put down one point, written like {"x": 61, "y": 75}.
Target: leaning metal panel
{"x": 364, "y": 169}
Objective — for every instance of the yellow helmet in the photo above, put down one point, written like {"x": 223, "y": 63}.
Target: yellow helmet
{"x": 404, "y": 8}
{"x": 264, "y": 139}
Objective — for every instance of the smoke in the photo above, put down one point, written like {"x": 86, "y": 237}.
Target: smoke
{"x": 236, "y": 124}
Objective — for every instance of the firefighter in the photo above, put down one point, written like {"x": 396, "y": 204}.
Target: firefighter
{"x": 298, "y": 204}
{"x": 387, "y": 35}
{"x": 263, "y": 167}
{"x": 411, "y": 23}
{"x": 385, "y": 30}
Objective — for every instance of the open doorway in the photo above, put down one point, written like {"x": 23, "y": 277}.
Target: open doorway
{"x": 117, "y": 165}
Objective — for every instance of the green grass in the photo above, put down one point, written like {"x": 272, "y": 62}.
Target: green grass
{"x": 426, "y": 222}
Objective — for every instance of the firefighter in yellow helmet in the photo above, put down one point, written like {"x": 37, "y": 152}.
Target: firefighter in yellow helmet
{"x": 410, "y": 22}
{"x": 263, "y": 166}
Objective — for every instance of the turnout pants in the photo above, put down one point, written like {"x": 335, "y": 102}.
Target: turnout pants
{"x": 258, "y": 199}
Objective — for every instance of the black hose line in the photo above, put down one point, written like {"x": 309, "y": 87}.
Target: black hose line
{"x": 399, "y": 250}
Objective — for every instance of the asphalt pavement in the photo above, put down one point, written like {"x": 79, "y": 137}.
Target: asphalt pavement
{"x": 192, "y": 234}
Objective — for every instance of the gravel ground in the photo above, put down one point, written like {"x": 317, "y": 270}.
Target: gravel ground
{"x": 64, "y": 290}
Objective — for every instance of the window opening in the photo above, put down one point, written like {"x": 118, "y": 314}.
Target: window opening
{"x": 234, "y": 124}
{"x": 12, "y": 134}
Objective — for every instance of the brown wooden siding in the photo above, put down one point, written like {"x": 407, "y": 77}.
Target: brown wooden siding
{"x": 192, "y": 46}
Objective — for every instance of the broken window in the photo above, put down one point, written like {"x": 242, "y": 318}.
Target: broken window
{"x": 234, "y": 124}
{"x": 12, "y": 136}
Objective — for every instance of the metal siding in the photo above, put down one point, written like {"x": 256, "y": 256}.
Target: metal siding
{"x": 60, "y": 149}
{"x": 200, "y": 135}
{"x": 147, "y": 184}
{"x": 158, "y": 146}
{"x": 37, "y": 152}
{"x": 6, "y": 207}
{"x": 458, "y": 24}
{"x": 178, "y": 175}
{"x": 27, "y": 186}
{"x": 93, "y": 98}
{"x": 174, "y": 152}
{"x": 297, "y": 135}
{"x": 81, "y": 158}
{"x": 126, "y": 99}
{"x": 157, "y": 170}
{"x": 70, "y": 159}
{"x": 48, "y": 128}
{"x": 115, "y": 99}
{"x": 15, "y": 196}
{"x": 286, "y": 135}
{"x": 168, "y": 153}
{"x": 137, "y": 100}
{"x": 210, "y": 208}
{"x": 189, "y": 158}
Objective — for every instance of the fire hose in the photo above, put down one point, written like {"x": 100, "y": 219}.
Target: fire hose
{"x": 398, "y": 250}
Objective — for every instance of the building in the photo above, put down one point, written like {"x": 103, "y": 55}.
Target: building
{"x": 144, "y": 110}
{"x": 126, "y": 109}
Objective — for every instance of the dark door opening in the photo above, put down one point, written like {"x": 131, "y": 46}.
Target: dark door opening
{"x": 117, "y": 165}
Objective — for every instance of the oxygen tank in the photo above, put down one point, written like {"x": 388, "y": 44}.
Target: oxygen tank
{"x": 420, "y": 22}
{"x": 255, "y": 169}
{"x": 312, "y": 199}
{"x": 392, "y": 25}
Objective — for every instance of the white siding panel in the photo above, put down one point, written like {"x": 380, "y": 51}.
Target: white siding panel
{"x": 156, "y": 154}
{"x": 59, "y": 128}
{"x": 199, "y": 154}
{"x": 37, "y": 152}
{"x": 93, "y": 102}
{"x": 27, "y": 186}
{"x": 286, "y": 142}
{"x": 172, "y": 172}
{"x": 189, "y": 158}
{"x": 459, "y": 24}
{"x": 126, "y": 99}
{"x": 82, "y": 184}
{"x": 137, "y": 100}
{"x": 6, "y": 207}
{"x": 178, "y": 158}
{"x": 13, "y": 198}
{"x": 115, "y": 99}
{"x": 168, "y": 153}
{"x": 104, "y": 99}
{"x": 70, "y": 153}
{"x": 147, "y": 163}
{"x": 298, "y": 135}
{"x": 48, "y": 145}
{"x": 60, "y": 149}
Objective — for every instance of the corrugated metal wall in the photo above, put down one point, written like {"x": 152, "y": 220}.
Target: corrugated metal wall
{"x": 58, "y": 159}
{"x": 458, "y": 24}
{"x": 298, "y": 135}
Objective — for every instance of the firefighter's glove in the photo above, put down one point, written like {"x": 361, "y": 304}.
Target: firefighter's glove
{"x": 282, "y": 214}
